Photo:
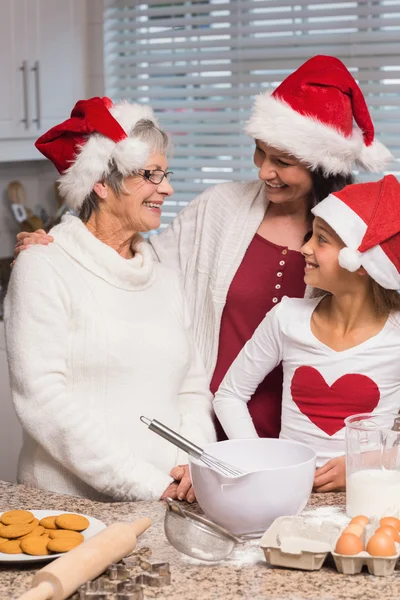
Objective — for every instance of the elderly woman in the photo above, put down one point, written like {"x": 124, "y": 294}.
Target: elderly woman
{"x": 98, "y": 332}
{"x": 238, "y": 244}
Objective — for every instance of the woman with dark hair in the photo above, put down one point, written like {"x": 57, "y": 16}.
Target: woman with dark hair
{"x": 238, "y": 244}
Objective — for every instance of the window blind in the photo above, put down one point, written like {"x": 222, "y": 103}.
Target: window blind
{"x": 199, "y": 63}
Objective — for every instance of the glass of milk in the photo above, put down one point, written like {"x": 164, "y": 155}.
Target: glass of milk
{"x": 372, "y": 465}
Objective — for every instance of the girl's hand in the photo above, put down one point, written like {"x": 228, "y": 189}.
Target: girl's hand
{"x": 24, "y": 240}
{"x": 181, "y": 488}
{"x": 331, "y": 477}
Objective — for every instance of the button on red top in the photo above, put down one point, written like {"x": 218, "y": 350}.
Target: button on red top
{"x": 250, "y": 296}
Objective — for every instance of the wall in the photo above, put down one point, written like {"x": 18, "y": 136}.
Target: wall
{"x": 38, "y": 178}
{"x": 95, "y": 48}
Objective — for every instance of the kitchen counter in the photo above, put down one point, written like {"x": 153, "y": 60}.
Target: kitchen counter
{"x": 246, "y": 575}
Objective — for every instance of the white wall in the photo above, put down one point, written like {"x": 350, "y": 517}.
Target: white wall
{"x": 38, "y": 178}
{"x": 95, "y": 49}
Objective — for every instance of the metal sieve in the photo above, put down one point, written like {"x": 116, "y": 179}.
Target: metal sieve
{"x": 196, "y": 536}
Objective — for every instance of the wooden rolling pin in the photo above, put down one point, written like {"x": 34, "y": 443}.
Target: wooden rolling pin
{"x": 61, "y": 578}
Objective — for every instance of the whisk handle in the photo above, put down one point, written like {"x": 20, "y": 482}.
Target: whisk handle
{"x": 173, "y": 437}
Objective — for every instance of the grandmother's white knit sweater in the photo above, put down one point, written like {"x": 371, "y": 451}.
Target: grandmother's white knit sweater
{"x": 93, "y": 342}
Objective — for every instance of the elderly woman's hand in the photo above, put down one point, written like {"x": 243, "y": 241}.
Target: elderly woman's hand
{"x": 181, "y": 488}
{"x": 24, "y": 240}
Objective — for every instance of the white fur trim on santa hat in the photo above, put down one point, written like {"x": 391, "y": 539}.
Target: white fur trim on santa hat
{"x": 275, "y": 123}
{"x": 128, "y": 114}
{"x": 351, "y": 229}
{"x": 375, "y": 157}
{"x": 93, "y": 158}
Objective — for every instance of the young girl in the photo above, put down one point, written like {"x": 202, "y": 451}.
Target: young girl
{"x": 340, "y": 349}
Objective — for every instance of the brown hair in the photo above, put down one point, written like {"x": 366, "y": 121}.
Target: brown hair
{"x": 384, "y": 301}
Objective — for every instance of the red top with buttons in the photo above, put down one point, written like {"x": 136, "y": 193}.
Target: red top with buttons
{"x": 267, "y": 273}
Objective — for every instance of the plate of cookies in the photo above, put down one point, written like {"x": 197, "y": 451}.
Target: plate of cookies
{"x": 33, "y": 535}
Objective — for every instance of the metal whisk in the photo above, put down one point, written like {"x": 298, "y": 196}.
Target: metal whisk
{"x": 171, "y": 436}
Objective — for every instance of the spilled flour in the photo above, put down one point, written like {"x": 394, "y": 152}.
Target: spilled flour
{"x": 333, "y": 514}
{"x": 248, "y": 553}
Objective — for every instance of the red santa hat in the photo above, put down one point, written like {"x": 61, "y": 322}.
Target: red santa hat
{"x": 83, "y": 147}
{"x": 310, "y": 115}
{"x": 366, "y": 216}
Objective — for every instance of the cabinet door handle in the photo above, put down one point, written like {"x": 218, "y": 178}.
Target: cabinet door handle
{"x": 24, "y": 69}
{"x": 35, "y": 69}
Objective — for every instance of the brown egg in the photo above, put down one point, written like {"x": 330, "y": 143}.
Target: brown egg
{"x": 360, "y": 520}
{"x": 355, "y": 528}
{"x": 389, "y": 530}
{"x": 392, "y": 521}
{"x": 349, "y": 544}
{"x": 381, "y": 544}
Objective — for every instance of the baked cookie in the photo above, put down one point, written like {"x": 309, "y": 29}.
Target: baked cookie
{"x": 11, "y": 547}
{"x": 16, "y": 516}
{"x": 16, "y": 530}
{"x": 48, "y": 522}
{"x": 63, "y": 544}
{"x": 65, "y": 533}
{"x": 36, "y": 546}
{"x": 36, "y": 532}
{"x": 72, "y": 521}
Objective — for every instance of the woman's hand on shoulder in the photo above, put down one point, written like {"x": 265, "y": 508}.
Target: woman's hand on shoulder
{"x": 331, "y": 477}
{"x": 181, "y": 488}
{"x": 25, "y": 239}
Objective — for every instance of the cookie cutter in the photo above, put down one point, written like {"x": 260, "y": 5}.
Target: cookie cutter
{"x": 119, "y": 571}
{"x": 96, "y": 590}
{"x": 106, "y": 590}
{"x": 120, "y": 584}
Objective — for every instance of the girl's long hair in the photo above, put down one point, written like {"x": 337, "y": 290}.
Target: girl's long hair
{"x": 385, "y": 302}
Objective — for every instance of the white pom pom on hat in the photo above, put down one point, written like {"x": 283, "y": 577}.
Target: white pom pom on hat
{"x": 350, "y": 259}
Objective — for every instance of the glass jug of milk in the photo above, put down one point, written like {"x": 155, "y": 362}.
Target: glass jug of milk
{"x": 372, "y": 465}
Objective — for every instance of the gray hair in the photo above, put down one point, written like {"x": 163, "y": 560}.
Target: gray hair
{"x": 157, "y": 141}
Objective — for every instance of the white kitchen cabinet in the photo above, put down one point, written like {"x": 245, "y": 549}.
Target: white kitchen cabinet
{"x": 10, "y": 429}
{"x": 42, "y": 68}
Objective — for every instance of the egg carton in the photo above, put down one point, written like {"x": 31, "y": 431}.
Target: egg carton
{"x": 295, "y": 543}
{"x": 380, "y": 566}
{"x": 376, "y": 565}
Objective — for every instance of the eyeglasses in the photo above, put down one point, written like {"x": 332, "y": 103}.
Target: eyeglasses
{"x": 155, "y": 176}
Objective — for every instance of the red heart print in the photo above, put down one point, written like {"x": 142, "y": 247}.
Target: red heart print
{"x": 327, "y": 406}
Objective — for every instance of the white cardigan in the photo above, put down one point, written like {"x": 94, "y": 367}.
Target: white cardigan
{"x": 93, "y": 342}
{"x": 207, "y": 242}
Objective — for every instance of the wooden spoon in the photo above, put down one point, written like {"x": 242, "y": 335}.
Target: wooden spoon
{"x": 17, "y": 197}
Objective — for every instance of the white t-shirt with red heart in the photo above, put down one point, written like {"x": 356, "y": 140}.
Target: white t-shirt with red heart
{"x": 321, "y": 386}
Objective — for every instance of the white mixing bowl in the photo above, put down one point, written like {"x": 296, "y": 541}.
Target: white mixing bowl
{"x": 278, "y": 481}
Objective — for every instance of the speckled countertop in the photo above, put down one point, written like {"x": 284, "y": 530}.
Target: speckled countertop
{"x": 244, "y": 576}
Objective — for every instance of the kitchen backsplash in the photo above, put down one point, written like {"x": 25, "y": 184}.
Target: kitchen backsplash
{"x": 38, "y": 178}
